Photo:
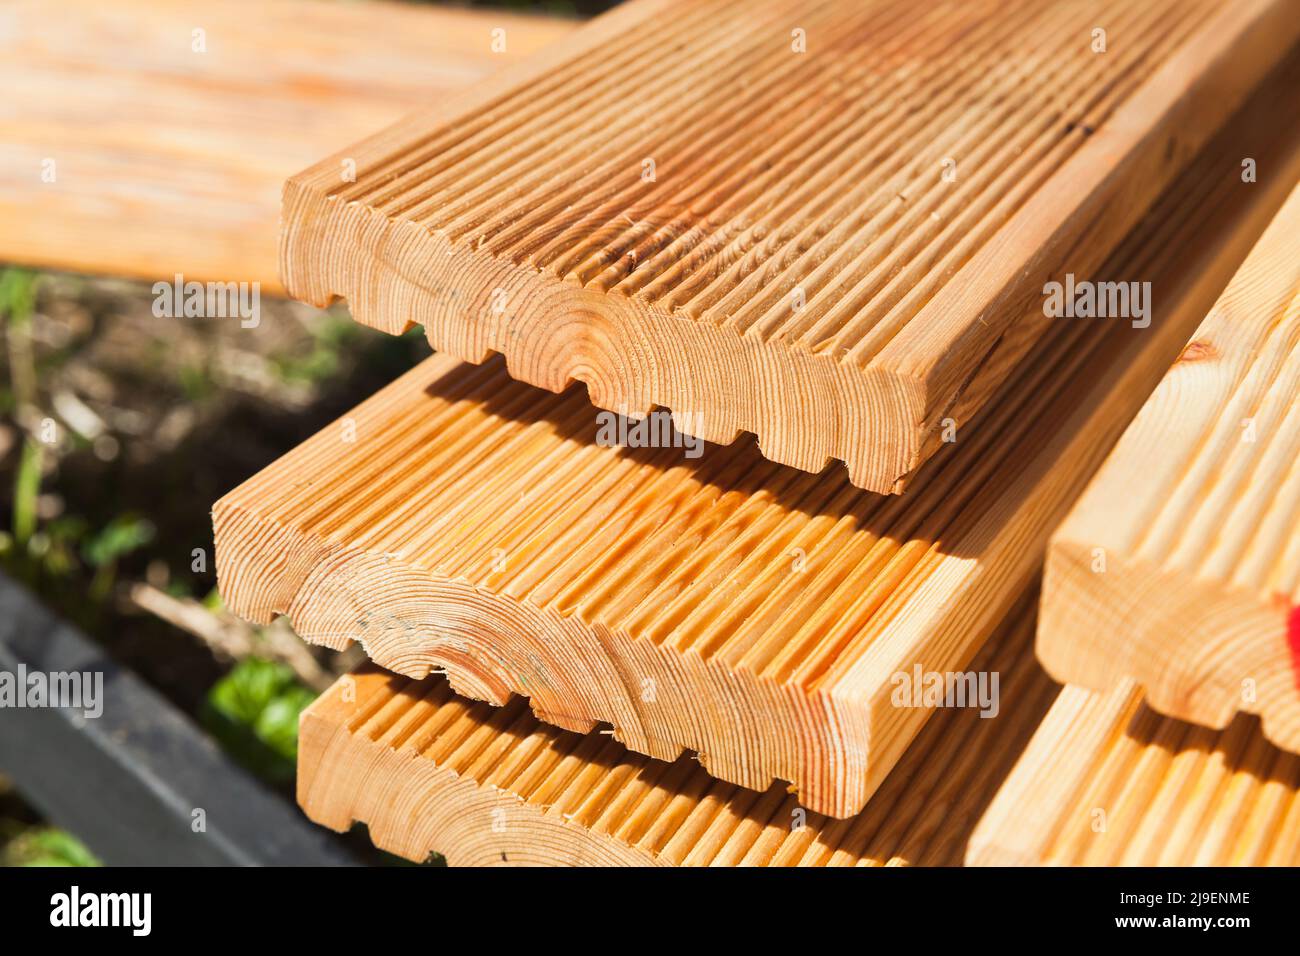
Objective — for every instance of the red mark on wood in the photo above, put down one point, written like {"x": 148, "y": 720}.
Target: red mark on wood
{"x": 1293, "y": 642}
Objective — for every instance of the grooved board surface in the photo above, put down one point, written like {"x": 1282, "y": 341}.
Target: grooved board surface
{"x": 1107, "y": 781}
{"x": 429, "y": 771}
{"x": 169, "y": 158}
{"x": 812, "y": 221}
{"x": 1180, "y": 566}
{"x": 752, "y": 613}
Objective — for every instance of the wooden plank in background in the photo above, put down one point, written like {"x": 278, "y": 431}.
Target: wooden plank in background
{"x": 680, "y": 209}
{"x": 727, "y": 605}
{"x": 170, "y": 160}
{"x": 1106, "y": 781}
{"x": 1180, "y": 566}
{"x": 484, "y": 786}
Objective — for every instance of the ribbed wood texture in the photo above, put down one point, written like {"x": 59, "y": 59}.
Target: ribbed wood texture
{"x": 429, "y": 771}
{"x": 167, "y": 158}
{"x": 1107, "y": 781}
{"x": 679, "y": 209}
{"x": 1180, "y": 567}
{"x": 726, "y": 605}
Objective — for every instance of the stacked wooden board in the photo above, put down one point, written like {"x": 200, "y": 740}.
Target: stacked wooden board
{"x": 1108, "y": 781}
{"x": 1180, "y": 566}
{"x": 1104, "y": 781}
{"x": 483, "y": 537}
{"x": 754, "y": 614}
{"x": 812, "y": 221}
{"x": 428, "y": 771}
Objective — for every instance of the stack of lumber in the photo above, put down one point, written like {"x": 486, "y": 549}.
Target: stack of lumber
{"x": 1180, "y": 566}
{"x": 463, "y": 521}
{"x": 429, "y": 771}
{"x": 1172, "y": 589}
{"x": 689, "y": 653}
{"x": 812, "y": 221}
{"x": 172, "y": 124}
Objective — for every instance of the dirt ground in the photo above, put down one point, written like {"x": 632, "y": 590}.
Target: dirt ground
{"x": 153, "y": 420}
{"x": 118, "y": 430}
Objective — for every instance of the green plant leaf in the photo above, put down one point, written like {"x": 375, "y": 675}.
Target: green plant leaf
{"x": 119, "y": 537}
{"x": 18, "y": 294}
{"x": 48, "y": 846}
{"x": 277, "y": 724}
{"x": 27, "y": 488}
{"x": 253, "y": 711}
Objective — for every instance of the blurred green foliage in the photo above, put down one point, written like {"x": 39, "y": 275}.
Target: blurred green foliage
{"x": 119, "y": 537}
{"x": 18, "y": 295}
{"x": 27, "y": 486}
{"x": 253, "y": 712}
{"x": 334, "y": 332}
{"x": 46, "y": 846}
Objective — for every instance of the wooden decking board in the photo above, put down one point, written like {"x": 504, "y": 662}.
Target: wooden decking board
{"x": 474, "y": 524}
{"x": 1107, "y": 781}
{"x": 169, "y": 159}
{"x": 796, "y": 265}
{"x": 1196, "y": 515}
{"x": 431, "y": 772}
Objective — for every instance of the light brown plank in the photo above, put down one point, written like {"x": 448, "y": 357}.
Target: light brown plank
{"x": 429, "y": 771}
{"x": 169, "y": 160}
{"x": 1106, "y": 781}
{"x": 797, "y": 267}
{"x": 1180, "y": 566}
{"x": 727, "y": 605}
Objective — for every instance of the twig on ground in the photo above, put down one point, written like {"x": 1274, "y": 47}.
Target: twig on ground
{"x": 230, "y": 637}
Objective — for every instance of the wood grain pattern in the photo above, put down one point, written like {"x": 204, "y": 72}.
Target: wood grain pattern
{"x": 171, "y": 160}
{"x": 1196, "y": 516}
{"x": 1106, "y": 781}
{"x": 464, "y": 521}
{"x": 795, "y": 265}
{"x": 484, "y": 786}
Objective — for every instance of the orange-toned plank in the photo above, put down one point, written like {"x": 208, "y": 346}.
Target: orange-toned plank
{"x": 484, "y": 786}
{"x": 681, "y": 207}
{"x": 1180, "y": 566}
{"x": 169, "y": 159}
